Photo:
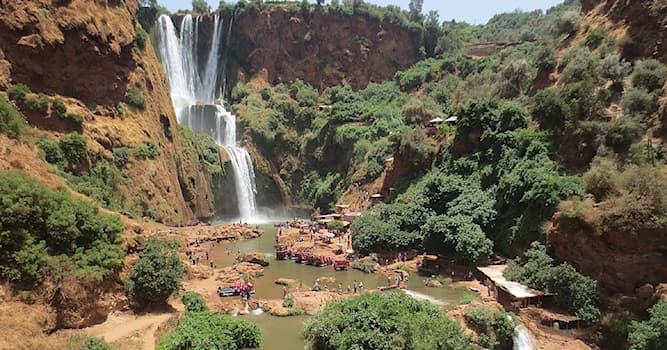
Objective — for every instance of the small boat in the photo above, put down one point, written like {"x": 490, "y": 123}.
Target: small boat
{"x": 341, "y": 265}
{"x": 237, "y": 289}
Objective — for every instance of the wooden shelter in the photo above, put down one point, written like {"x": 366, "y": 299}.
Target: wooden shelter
{"x": 509, "y": 293}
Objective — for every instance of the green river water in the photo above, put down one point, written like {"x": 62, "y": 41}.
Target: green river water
{"x": 283, "y": 332}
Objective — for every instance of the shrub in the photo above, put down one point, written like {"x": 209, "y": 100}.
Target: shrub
{"x": 399, "y": 322}
{"x": 601, "y": 179}
{"x": 135, "y": 98}
{"x": 140, "y": 38}
{"x": 650, "y": 75}
{"x": 615, "y": 68}
{"x": 639, "y": 101}
{"x": 51, "y": 150}
{"x": 42, "y": 227}
{"x": 288, "y": 301}
{"x": 74, "y": 118}
{"x": 148, "y": 150}
{"x": 545, "y": 58}
{"x": 74, "y": 148}
{"x": 478, "y": 317}
{"x": 580, "y": 64}
{"x": 18, "y": 92}
{"x": 158, "y": 272}
{"x": 623, "y": 132}
{"x": 120, "y": 107}
{"x": 121, "y": 156}
{"x": 39, "y": 104}
{"x": 568, "y": 22}
{"x": 59, "y": 106}
{"x": 239, "y": 92}
{"x": 208, "y": 330}
{"x": 11, "y": 120}
{"x": 193, "y": 302}
{"x": 92, "y": 343}
{"x": 595, "y": 37}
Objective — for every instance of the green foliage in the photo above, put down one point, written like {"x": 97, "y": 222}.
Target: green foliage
{"x": 335, "y": 225}
{"x": 37, "y": 224}
{"x": 134, "y": 98}
{"x": 639, "y": 102}
{"x": 207, "y": 330}
{"x": 422, "y": 72}
{"x": 92, "y": 343}
{"x": 374, "y": 233}
{"x": 652, "y": 333}
{"x": 545, "y": 58}
{"x": 418, "y": 111}
{"x": 77, "y": 119}
{"x": 120, "y": 107}
{"x": 649, "y": 75}
{"x": 158, "y": 272}
{"x": 11, "y": 120}
{"x": 103, "y": 184}
{"x": 147, "y": 151}
{"x": 602, "y": 178}
{"x": 383, "y": 321}
{"x": 615, "y": 68}
{"x": 580, "y": 64}
{"x": 59, "y": 106}
{"x": 193, "y": 302}
{"x": 288, "y": 301}
{"x": 51, "y": 150}
{"x": 622, "y": 132}
{"x": 18, "y": 92}
{"x": 568, "y": 23}
{"x": 121, "y": 156}
{"x": 200, "y": 6}
{"x": 496, "y": 328}
{"x": 140, "y": 38}
{"x": 74, "y": 149}
{"x": 39, "y": 104}
{"x": 574, "y": 291}
{"x": 239, "y": 92}
{"x": 595, "y": 38}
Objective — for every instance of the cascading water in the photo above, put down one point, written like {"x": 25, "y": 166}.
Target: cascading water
{"x": 193, "y": 93}
{"x": 523, "y": 340}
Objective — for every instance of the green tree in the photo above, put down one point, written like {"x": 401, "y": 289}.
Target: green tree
{"x": 650, "y": 75}
{"x": 383, "y": 321}
{"x": 208, "y": 330}
{"x": 11, "y": 120}
{"x": 200, "y": 6}
{"x": 74, "y": 149}
{"x": 193, "y": 302}
{"x": 652, "y": 333}
{"x": 158, "y": 272}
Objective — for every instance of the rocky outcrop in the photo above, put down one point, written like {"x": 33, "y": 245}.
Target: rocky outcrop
{"x": 85, "y": 52}
{"x": 254, "y": 258}
{"x": 643, "y": 22}
{"x": 620, "y": 261}
{"x": 321, "y": 49}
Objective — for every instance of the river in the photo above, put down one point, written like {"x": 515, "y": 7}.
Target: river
{"x": 283, "y": 332}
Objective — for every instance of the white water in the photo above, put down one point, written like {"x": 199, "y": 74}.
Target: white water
{"x": 193, "y": 93}
{"x": 523, "y": 340}
{"x": 421, "y": 296}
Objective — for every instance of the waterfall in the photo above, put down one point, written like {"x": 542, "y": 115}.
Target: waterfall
{"x": 523, "y": 340}
{"x": 424, "y": 297}
{"x": 193, "y": 93}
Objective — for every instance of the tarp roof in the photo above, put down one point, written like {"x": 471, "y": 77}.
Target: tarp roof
{"x": 452, "y": 119}
{"x": 516, "y": 289}
{"x": 436, "y": 120}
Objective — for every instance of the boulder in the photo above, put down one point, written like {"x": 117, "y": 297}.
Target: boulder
{"x": 255, "y": 258}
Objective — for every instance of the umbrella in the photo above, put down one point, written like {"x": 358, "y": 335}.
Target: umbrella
{"x": 340, "y": 244}
{"x": 323, "y": 231}
{"x": 330, "y": 235}
{"x": 349, "y": 251}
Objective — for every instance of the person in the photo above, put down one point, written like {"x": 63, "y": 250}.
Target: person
{"x": 285, "y": 292}
{"x": 389, "y": 281}
{"x": 211, "y": 263}
{"x": 326, "y": 288}
{"x": 399, "y": 278}
{"x": 340, "y": 288}
{"x": 488, "y": 289}
{"x": 355, "y": 286}
{"x": 361, "y": 287}
{"x": 316, "y": 286}
{"x": 349, "y": 289}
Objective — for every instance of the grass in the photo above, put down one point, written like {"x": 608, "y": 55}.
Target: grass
{"x": 468, "y": 298}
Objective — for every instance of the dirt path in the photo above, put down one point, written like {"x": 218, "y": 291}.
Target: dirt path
{"x": 122, "y": 326}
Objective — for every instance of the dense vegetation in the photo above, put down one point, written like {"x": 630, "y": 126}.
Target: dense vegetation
{"x": 574, "y": 291}
{"x": 46, "y": 234}
{"x": 158, "y": 272}
{"x": 383, "y": 321}
{"x": 652, "y": 333}
{"x": 495, "y": 327}
{"x": 200, "y": 329}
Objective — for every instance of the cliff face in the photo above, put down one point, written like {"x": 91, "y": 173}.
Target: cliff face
{"x": 321, "y": 49}
{"x": 644, "y": 23}
{"x": 620, "y": 261}
{"x": 85, "y": 52}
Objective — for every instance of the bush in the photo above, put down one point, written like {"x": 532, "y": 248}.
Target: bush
{"x": 568, "y": 22}
{"x": 478, "y": 317}
{"x": 74, "y": 118}
{"x": 640, "y": 102}
{"x": 74, "y": 148}
{"x": 18, "y": 92}
{"x": 602, "y": 178}
{"x": 147, "y": 151}
{"x": 92, "y": 343}
{"x": 615, "y": 68}
{"x": 623, "y": 132}
{"x": 135, "y": 98}
{"x": 496, "y": 328}
{"x": 649, "y": 75}
{"x": 59, "y": 106}
{"x": 288, "y": 301}
{"x": 193, "y": 302}
{"x": 239, "y": 92}
{"x": 158, "y": 272}
{"x": 39, "y": 104}
{"x": 383, "y": 321}
{"x": 121, "y": 156}
{"x": 11, "y": 120}
{"x": 652, "y": 333}
{"x": 41, "y": 225}
{"x": 208, "y": 330}
{"x": 140, "y": 38}
{"x": 580, "y": 64}
{"x": 545, "y": 58}
{"x": 595, "y": 37}
{"x": 51, "y": 150}
{"x": 122, "y": 112}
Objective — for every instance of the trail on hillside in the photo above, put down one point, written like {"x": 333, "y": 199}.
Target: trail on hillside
{"x": 123, "y": 326}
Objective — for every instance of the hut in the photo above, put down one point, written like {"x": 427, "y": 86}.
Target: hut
{"x": 511, "y": 294}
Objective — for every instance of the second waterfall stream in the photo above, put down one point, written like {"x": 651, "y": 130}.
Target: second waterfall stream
{"x": 194, "y": 82}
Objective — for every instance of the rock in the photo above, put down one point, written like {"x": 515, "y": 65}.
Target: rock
{"x": 255, "y": 258}
{"x": 644, "y": 292}
{"x": 328, "y": 280}
{"x": 432, "y": 283}
{"x": 288, "y": 282}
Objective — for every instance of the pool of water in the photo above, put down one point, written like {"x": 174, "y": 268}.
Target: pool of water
{"x": 283, "y": 332}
